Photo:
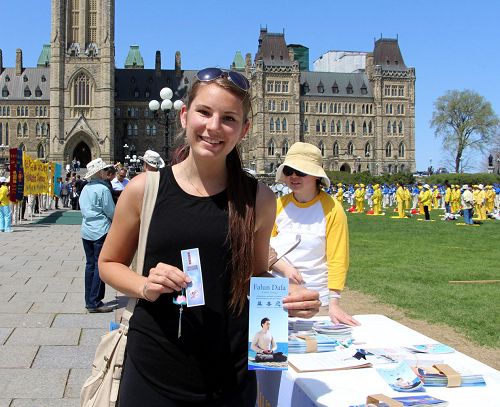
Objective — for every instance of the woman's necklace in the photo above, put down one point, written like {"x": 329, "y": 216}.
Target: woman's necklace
{"x": 194, "y": 186}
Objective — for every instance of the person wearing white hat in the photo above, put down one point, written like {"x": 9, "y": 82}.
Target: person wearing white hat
{"x": 318, "y": 223}
{"x": 152, "y": 161}
{"x": 426, "y": 200}
{"x": 97, "y": 207}
{"x": 5, "y": 213}
{"x": 467, "y": 204}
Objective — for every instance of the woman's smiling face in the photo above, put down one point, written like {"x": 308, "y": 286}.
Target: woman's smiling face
{"x": 215, "y": 121}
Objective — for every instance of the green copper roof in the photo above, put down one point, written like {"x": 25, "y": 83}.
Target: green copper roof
{"x": 44, "y": 58}
{"x": 238, "y": 61}
{"x": 134, "y": 58}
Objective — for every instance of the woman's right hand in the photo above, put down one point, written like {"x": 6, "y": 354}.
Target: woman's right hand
{"x": 165, "y": 278}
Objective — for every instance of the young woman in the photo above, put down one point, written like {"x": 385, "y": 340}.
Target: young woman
{"x": 318, "y": 223}
{"x": 205, "y": 201}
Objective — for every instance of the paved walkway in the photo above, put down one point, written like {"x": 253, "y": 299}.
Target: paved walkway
{"x": 47, "y": 339}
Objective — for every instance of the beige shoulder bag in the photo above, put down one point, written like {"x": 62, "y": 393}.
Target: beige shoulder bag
{"x": 102, "y": 387}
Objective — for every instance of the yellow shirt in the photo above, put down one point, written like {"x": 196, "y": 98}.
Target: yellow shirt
{"x": 425, "y": 197}
{"x": 4, "y": 195}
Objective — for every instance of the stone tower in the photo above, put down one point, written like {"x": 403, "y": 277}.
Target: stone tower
{"x": 82, "y": 75}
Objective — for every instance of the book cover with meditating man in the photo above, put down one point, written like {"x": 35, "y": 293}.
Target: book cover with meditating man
{"x": 268, "y": 324}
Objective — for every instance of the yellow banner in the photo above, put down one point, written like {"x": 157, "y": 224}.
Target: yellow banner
{"x": 36, "y": 176}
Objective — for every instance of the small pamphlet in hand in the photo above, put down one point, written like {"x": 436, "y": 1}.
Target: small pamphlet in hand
{"x": 191, "y": 265}
{"x": 268, "y": 324}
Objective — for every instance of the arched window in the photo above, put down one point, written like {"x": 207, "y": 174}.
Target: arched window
{"x": 323, "y": 126}
{"x": 270, "y": 147}
{"x": 318, "y": 126}
{"x": 18, "y": 111}
{"x": 400, "y": 127}
{"x": 365, "y": 129}
{"x": 339, "y": 126}
{"x": 148, "y": 130}
{"x": 347, "y": 126}
{"x": 82, "y": 90}
{"x": 335, "y": 108}
{"x": 136, "y": 130}
{"x": 278, "y": 125}
{"x": 19, "y": 130}
{"x": 38, "y": 130}
{"x": 40, "y": 151}
{"x": 335, "y": 149}
{"x": 153, "y": 130}
{"x": 332, "y": 126}
{"x": 284, "y": 124}
{"x": 321, "y": 146}
{"x": 271, "y": 124}
{"x": 284, "y": 148}
{"x": 388, "y": 150}
{"x": 350, "y": 148}
{"x": 353, "y": 127}
{"x": 370, "y": 127}
{"x": 27, "y": 91}
{"x": 394, "y": 127}
{"x": 269, "y": 105}
{"x": 368, "y": 150}
{"x": 389, "y": 127}
{"x": 45, "y": 129}
{"x": 129, "y": 130}
{"x": 36, "y": 111}
{"x": 25, "y": 129}
{"x": 286, "y": 106}
{"x": 331, "y": 107}
{"x": 306, "y": 126}
{"x": 401, "y": 149}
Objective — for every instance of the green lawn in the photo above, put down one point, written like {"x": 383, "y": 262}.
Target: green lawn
{"x": 409, "y": 263}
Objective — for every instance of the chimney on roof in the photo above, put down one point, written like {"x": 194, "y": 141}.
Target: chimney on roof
{"x": 1, "y": 62}
{"x": 158, "y": 64}
{"x": 178, "y": 63}
{"x": 19, "y": 62}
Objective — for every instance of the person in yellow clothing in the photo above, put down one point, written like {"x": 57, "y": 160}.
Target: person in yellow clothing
{"x": 377, "y": 200}
{"x": 5, "y": 214}
{"x": 339, "y": 196}
{"x": 400, "y": 199}
{"x": 420, "y": 205}
{"x": 407, "y": 198}
{"x": 482, "y": 202}
{"x": 425, "y": 200}
{"x": 455, "y": 199}
{"x": 490, "y": 198}
{"x": 447, "y": 198}
{"x": 359, "y": 194}
{"x": 310, "y": 234}
{"x": 435, "y": 197}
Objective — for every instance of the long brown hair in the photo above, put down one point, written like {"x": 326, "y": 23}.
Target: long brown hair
{"x": 241, "y": 194}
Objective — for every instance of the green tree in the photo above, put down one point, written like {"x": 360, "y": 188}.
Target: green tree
{"x": 465, "y": 121}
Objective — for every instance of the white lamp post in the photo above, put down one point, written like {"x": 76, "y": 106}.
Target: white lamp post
{"x": 166, "y": 105}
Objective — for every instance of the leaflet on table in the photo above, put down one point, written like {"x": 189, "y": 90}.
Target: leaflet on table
{"x": 435, "y": 348}
{"x": 268, "y": 324}
{"x": 432, "y": 377}
{"x": 337, "y": 360}
{"x": 379, "y": 356}
{"x": 401, "y": 378}
{"x": 413, "y": 401}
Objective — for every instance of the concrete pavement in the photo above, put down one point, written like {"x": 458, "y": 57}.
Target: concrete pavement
{"x": 47, "y": 339}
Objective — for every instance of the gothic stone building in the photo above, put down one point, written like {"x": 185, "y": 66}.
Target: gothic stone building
{"x": 76, "y": 103}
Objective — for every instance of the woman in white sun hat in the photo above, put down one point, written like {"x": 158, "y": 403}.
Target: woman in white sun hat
{"x": 310, "y": 232}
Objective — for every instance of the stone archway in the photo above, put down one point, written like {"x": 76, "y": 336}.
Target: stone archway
{"x": 345, "y": 168}
{"x": 82, "y": 153}
{"x": 82, "y": 147}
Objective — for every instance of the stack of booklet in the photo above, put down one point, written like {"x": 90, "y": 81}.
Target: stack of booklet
{"x": 301, "y": 343}
{"x": 413, "y": 401}
{"x": 432, "y": 377}
{"x": 339, "y": 332}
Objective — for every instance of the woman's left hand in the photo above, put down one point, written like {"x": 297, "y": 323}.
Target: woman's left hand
{"x": 301, "y": 302}
{"x": 339, "y": 316}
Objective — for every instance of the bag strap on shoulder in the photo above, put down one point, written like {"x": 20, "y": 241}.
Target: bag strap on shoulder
{"x": 148, "y": 204}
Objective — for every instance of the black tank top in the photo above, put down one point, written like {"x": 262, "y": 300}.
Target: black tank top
{"x": 209, "y": 360}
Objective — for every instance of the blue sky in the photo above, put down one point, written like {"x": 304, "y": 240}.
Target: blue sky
{"x": 451, "y": 44}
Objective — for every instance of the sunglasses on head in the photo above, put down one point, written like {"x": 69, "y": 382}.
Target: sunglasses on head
{"x": 211, "y": 74}
{"x": 287, "y": 171}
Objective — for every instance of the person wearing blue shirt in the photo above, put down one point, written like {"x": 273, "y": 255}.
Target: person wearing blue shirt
{"x": 98, "y": 208}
